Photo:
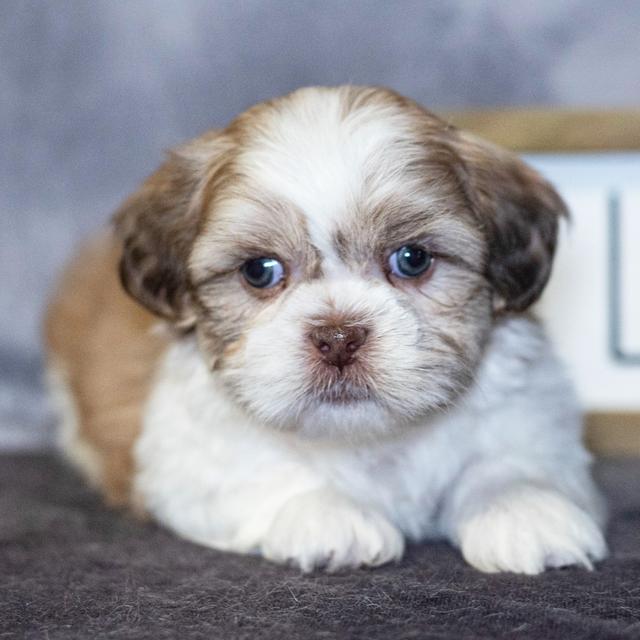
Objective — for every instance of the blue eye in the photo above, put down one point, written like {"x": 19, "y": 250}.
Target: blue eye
{"x": 263, "y": 273}
{"x": 410, "y": 261}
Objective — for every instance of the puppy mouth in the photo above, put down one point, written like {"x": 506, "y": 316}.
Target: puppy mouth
{"x": 342, "y": 392}
{"x": 339, "y": 397}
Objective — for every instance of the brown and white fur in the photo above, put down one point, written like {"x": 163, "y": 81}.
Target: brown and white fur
{"x": 212, "y": 404}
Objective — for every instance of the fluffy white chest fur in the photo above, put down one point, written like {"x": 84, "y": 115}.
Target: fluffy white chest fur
{"x": 503, "y": 474}
{"x": 345, "y": 277}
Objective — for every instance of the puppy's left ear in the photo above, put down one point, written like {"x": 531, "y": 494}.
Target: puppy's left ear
{"x": 519, "y": 212}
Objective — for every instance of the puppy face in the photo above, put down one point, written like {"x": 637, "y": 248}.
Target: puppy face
{"x": 341, "y": 255}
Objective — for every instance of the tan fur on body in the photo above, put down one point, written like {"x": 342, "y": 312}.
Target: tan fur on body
{"x": 103, "y": 345}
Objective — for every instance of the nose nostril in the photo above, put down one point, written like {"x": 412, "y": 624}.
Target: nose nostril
{"x": 337, "y": 344}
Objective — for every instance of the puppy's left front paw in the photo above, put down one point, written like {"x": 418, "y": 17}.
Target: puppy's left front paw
{"x": 528, "y": 529}
{"x": 323, "y": 529}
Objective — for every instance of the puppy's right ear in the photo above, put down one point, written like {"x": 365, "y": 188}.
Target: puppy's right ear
{"x": 158, "y": 225}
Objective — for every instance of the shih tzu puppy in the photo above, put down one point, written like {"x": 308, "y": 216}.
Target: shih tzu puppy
{"x": 324, "y": 349}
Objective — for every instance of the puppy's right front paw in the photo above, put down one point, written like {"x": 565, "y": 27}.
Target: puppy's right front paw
{"x": 323, "y": 529}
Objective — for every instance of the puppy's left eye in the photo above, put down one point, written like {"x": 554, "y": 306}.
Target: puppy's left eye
{"x": 263, "y": 273}
{"x": 410, "y": 261}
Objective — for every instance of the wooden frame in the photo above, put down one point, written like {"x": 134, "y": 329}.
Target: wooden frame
{"x": 559, "y": 131}
{"x": 547, "y": 131}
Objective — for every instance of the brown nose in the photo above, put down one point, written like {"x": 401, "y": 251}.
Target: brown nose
{"x": 338, "y": 344}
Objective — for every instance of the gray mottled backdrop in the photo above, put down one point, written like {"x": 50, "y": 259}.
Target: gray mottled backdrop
{"x": 92, "y": 92}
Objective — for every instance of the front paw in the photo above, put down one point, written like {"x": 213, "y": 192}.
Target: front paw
{"x": 323, "y": 529}
{"x": 528, "y": 529}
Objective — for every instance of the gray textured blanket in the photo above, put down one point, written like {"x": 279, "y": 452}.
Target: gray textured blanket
{"x": 69, "y": 568}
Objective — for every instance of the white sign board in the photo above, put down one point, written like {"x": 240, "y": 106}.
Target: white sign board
{"x": 592, "y": 304}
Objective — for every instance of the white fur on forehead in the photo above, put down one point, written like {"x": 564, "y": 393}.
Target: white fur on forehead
{"x": 323, "y": 158}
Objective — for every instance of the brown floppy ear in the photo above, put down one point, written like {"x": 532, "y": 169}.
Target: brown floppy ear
{"x": 519, "y": 211}
{"x": 158, "y": 225}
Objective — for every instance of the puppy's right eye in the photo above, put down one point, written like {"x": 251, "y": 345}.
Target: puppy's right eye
{"x": 263, "y": 273}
